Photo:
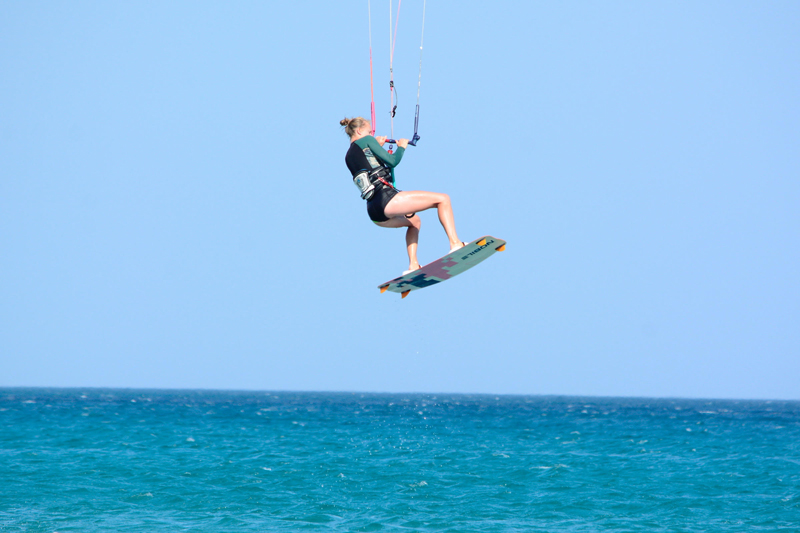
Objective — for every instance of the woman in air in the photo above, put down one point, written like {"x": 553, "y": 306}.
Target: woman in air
{"x": 373, "y": 172}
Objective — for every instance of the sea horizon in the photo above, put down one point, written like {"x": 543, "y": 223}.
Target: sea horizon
{"x": 439, "y": 393}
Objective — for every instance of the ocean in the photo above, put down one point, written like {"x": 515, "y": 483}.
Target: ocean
{"x": 218, "y": 461}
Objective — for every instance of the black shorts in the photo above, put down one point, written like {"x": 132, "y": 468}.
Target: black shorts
{"x": 378, "y": 202}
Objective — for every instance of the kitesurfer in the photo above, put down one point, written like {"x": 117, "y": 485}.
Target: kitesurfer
{"x": 373, "y": 171}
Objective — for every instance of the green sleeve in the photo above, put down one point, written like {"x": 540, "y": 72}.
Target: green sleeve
{"x": 391, "y": 160}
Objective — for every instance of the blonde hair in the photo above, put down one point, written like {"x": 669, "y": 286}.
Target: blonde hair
{"x": 352, "y": 124}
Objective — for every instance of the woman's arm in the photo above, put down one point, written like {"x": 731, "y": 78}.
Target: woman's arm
{"x": 392, "y": 160}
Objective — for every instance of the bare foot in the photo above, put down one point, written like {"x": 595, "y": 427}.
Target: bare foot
{"x": 457, "y": 247}
{"x": 411, "y": 268}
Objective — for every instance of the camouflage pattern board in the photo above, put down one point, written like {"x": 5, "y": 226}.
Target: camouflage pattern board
{"x": 445, "y": 268}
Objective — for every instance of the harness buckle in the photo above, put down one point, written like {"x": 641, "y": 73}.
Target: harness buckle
{"x": 364, "y": 183}
{"x": 367, "y": 181}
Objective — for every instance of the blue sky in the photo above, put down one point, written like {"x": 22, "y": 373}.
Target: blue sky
{"x": 175, "y": 211}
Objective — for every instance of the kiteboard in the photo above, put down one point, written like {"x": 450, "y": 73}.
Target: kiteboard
{"x": 447, "y": 267}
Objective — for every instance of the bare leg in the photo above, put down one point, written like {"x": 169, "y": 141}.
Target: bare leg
{"x": 412, "y": 235}
{"x": 414, "y": 201}
{"x": 412, "y": 238}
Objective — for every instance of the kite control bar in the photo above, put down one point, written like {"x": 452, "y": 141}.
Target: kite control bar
{"x": 412, "y": 142}
{"x": 415, "y": 138}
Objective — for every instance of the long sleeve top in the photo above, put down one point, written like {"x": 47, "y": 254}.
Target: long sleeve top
{"x": 367, "y": 154}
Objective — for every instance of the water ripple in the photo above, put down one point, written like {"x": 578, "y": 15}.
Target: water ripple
{"x": 131, "y": 461}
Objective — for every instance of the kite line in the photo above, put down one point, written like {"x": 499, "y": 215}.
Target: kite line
{"x": 393, "y": 100}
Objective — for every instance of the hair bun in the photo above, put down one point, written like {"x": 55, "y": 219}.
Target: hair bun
{"x": 352, "y": 125}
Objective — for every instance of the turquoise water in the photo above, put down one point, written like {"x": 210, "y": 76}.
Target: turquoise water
{"x": 125, "y": 460}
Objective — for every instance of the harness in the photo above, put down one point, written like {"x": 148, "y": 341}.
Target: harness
{"x": 366, "y": 181}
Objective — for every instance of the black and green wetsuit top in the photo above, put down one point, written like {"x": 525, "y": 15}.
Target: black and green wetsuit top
{"x": 367, "y": 154}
